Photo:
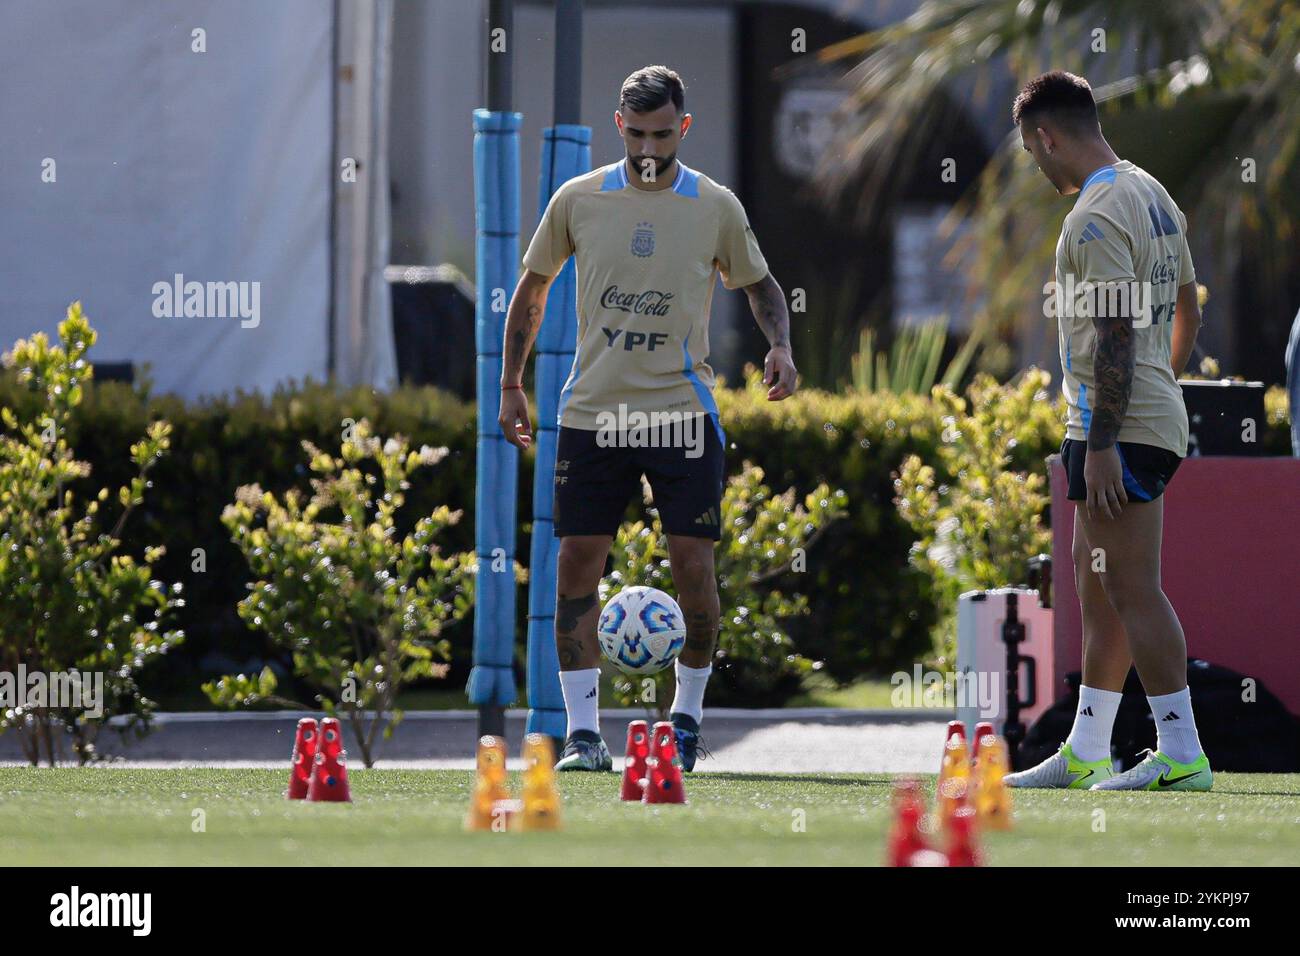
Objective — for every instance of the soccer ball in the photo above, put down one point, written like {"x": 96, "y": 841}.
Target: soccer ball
{"x": 641, "y": 630}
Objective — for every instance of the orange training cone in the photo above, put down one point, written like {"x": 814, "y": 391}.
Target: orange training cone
{"x": 955, "y": 729}
{"x": 983, "y": 729}
{"x": 489, "y": 784}
{"x": 953, "y": 789}
{"x": 992, "y": 795}
{"x": 541, "y": 810}
{"x": 954, "y": 744}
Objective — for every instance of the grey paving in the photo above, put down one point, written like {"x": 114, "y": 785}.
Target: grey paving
{"x": 809, "y": 740}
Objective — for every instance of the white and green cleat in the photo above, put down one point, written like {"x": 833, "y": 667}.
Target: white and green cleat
{"x": 585, "y": 750}
{"x": 1161, "y": 772}
{"x": 1062, "y": 771}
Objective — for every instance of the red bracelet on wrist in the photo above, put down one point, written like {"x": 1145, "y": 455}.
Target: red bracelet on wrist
{"x": 504, "y": 387}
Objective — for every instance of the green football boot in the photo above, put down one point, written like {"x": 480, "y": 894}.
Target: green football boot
{"x": 1061, "y": 771}
{"x": 1161, "y": 772}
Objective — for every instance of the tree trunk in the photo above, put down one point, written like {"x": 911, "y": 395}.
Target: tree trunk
{"x": 31, "y": 747}
{"x": 47, "y": 737}
{"x": 358, "y": 732}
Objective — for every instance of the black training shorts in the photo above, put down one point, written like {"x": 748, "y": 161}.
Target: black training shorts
{"x": 1147, "y": 469}
{"x": 598, "y": 473}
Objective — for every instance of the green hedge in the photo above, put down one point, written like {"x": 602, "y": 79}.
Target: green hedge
{"x": 220, "y": 444}
{"x": 871, "y": 612}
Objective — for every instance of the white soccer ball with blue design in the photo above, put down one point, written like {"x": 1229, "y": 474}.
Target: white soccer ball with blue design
{"x": 641, "y": 630}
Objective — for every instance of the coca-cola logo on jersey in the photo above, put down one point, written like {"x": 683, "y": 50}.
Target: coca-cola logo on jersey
{"x": 650, "y": 302}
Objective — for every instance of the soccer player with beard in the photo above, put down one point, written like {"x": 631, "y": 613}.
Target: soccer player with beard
{"x": 1128, "y": 316}
{"x": 650, "y": 236}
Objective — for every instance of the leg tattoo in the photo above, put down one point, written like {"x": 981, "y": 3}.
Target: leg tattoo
{"x": 568, "y": 612}
{"x": 701, "y": 631}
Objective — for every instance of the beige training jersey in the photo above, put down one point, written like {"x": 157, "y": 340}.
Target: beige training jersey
{"x": 646, "y": 268}
{"x": 1125, "y": 231}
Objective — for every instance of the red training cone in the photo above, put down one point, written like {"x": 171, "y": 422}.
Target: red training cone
{"x": 962, "y": 847}
{"x": 329, "y": 778}
{"x": 634, "y": 760}
{"x": 304, "y": 752}
{"x": 906, "y": 838}
{"x": 663, "y": 779}
{"x": 983, "y": 729}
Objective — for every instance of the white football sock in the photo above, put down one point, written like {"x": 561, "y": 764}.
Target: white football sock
{"x": 691, "y": 681}
{"x": 1093, "y": 722}
{"x": 582, "y": 699}
{"x": 1175, "y": 726}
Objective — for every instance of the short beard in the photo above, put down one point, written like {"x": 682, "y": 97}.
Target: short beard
{"x": 660, "y": 165}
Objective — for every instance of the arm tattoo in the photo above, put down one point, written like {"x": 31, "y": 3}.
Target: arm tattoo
{"x": 1113, "y": 360}
{"x": 568, "y": 612}
{"x": 519, "y": 339}
{"x": 767, "y": 302}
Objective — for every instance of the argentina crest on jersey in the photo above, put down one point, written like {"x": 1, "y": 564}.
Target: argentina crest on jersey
{"x": 643, "y": 240}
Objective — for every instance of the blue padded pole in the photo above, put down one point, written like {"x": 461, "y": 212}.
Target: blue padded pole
{"x": 496, "y": 192}
{"x": 566, "y": 152}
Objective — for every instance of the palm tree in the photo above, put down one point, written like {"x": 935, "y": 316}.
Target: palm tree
{"x": 1204, "y": 95}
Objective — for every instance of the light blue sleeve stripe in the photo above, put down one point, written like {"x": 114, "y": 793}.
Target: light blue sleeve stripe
{"x": 687, "y": 182}
{"x": 702, "y": 392}
{"x": 567, "y": 390}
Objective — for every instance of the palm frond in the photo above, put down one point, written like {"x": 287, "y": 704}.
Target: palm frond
{"x": 1218, "y": 81}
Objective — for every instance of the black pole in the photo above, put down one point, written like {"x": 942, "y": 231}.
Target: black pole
{"x": 568, "y": 91}
{"x": 491, "y": 720}
{"x": 500, "y": 54}
{"x": 568, "y": 61}
{"x": 500, "y": 59}
{"x": 1013, "y": 634}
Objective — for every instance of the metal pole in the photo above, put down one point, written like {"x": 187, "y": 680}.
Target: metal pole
{"x": 568, "y": 62}
{"x": 1013, "y": 634}
{"x": 500, "y": 76}
{"x": 500, "y": 55}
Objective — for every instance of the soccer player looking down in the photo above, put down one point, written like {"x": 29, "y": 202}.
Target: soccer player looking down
{"x": 650, "y": 236}
{"x": 1128, "y": 316}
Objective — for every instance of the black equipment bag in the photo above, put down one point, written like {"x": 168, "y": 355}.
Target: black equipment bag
{"x": 1244, "y": 736}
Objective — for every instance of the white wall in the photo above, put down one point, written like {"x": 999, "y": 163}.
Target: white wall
{"x": 214, "y": 164}
{"x": 438, "y": 80}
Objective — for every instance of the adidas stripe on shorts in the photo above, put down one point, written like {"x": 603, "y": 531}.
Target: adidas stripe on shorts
{"x": 598, "y": 475}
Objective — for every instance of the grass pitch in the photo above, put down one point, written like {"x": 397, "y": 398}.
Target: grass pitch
{"x": 114, "y": 816}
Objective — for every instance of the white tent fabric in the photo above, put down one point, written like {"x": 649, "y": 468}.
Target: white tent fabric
{"x": 163, "y": 138}
{"x": 364, "y": 347}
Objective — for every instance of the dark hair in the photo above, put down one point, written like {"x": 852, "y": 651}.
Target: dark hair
{"x": 650, "y": 88}
{"x": 1063, "y": 96}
